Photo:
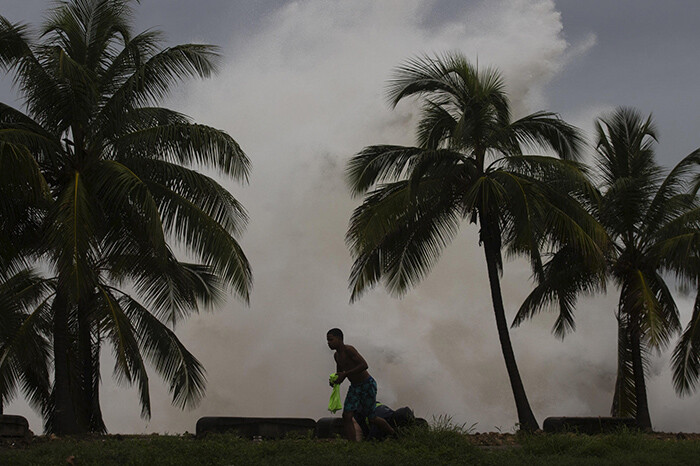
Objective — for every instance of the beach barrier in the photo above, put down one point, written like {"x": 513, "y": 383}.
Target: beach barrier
{"x": 277, "y": 427}
{"x": 256, "y": 427}
{"x": 12, "y": 426}
{"x": 329, "y": 427}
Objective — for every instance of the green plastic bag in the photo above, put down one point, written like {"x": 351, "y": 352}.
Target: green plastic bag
{"x": 335, "y": 404}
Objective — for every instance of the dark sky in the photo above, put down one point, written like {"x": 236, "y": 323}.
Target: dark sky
{"x": 646, "y": 55}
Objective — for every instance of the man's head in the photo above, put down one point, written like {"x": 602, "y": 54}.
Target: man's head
{"x": 334, "y": 337}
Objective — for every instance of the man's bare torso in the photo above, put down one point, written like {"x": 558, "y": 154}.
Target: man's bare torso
{"x": 348, "y": 358}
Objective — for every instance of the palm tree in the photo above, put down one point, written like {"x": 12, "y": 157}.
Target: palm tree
{"x": 653, "y": 223}
{"x": 469, "y": 164}
{"x": 124, "y": 189}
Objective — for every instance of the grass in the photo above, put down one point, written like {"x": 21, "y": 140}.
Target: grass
{"x": 417, "y": 446}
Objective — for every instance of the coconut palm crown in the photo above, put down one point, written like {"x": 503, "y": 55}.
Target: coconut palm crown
{"x": 471, "y": 163}
{"x": 121, "y": 194}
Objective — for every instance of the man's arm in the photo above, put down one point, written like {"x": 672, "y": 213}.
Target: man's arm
{"x": 337, "y": 370}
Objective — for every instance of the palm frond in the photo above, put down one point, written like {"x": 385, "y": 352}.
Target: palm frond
{"x": 71, "y": 236}
{"x": 152, "y": 80}
{"x": 566, "y": 223}
{"x": 170, "y": 358}
{"x": 546, "y": 130}
{"x": 625, "y": 397}
{"x": 42, "y": 93}
{"x": 625, "y": 148}
{"x": 378, "y": 164}
{"x": 201, "y": 190}
{"x": 398, "y": 233}
{"x": 677, "y": 181}
{"x": 436, "y": 125}
{"x": 136, "y": 51}
{"x": 24, "y": 348}
{"x": 122, "y": 333}
{"x": 14, "y": 42}
{"x": 128, "y": 121}
{"x": 123, "y": 196}
{"x": 172, "y": 290}
{"x": 565, "y": 276}
{"x": 652, "y": 304}
{"x": 425, "y": 75}
{"x": 686, "y": 355}
{"x": 200, "y": 233}
{"x": 187, "y": 144}
{"x": 87, "y": 29}
{"x": 18, "y": 128}
{"x": 521, "y": 232}
{"x": 20, "y": 175}
{"x": 677, "y": 242}
{"x": 668, "y": 309}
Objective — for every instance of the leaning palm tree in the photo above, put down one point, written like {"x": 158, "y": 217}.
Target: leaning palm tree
{"x": 471, "y": 164}
{"x": 124, "y": 190}
{"x": 653, "y": 223}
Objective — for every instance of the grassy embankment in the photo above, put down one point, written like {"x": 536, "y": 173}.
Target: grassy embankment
{"x": 416, "y": 447}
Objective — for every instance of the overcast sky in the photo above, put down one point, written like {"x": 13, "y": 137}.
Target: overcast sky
{"x": 301, "y": 88}
{"x": 641, "y": 53}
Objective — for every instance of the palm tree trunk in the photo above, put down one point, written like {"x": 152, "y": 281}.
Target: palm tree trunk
{"x": 96, "y": 421}
{"x": 88, "y": 356}
{"x": 526, "y": 418}
{"x": 85, "y": 364}
{"x": 618, "y": 401}
{"x": 624, "y": 401}
{"x": 643, "y": 418}
{"x": 64, "y": 418}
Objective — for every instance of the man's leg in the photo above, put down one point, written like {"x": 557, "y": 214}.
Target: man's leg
{"x": 371, "y": 400}
{"x": 383, "y": 425}
{"x": 349, "y": 426}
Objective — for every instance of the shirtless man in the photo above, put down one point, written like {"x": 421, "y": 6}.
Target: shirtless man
{"x": 362, "y": 394}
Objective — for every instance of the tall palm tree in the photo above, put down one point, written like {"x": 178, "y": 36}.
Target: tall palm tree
{"x": 469, "y": 164}
{"x": 653, "y": 223}
{"x": 124, "y": 189}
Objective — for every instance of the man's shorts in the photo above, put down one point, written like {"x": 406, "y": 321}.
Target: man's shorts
{"x": 362, "y": 398}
